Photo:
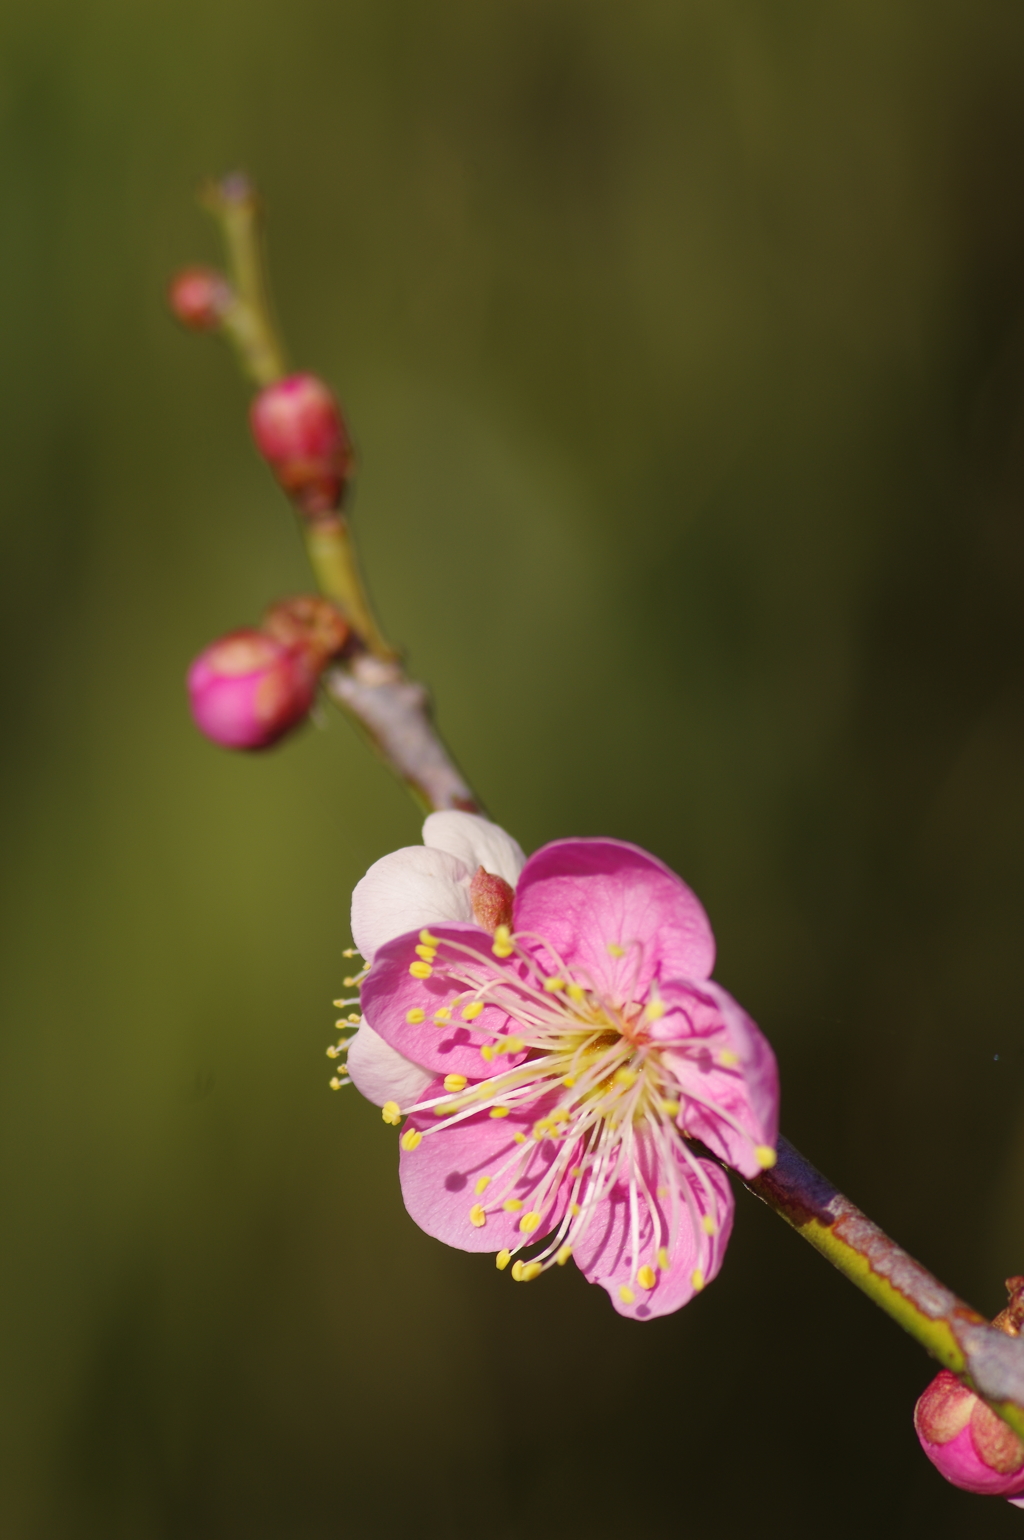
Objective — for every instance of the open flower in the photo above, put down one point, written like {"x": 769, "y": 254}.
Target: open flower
{"x": 549, "y": 1030}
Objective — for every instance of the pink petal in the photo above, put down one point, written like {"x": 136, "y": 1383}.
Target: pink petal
{"x": 476, "y": 842}
{"x": 604, "y": 1254}
{"x": 406, "y": 890}
{"x": 439, "y": 1177}
{"x": 391, "y": 993}
{"x": 381, "y": 1074}
{"x": 710, "y": 1021}
{"x": 593, "y": 899}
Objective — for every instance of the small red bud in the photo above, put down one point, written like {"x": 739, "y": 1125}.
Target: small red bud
{"x": 199, "y": 297}
{"x": 311, "y": 624}
{"x": 491, "y": 897}
{"x": 962, "y": 1436}
{"x": 300, "y": 432}
{"x": 247, "y": 689}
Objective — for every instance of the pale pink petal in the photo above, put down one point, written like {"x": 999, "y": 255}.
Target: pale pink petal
{"x": 605, "y": 1253}
{"x": 476, "y": 842}
{"x": 708, "y": 1023}
{"x": 439, "y": 1178}
{"x": 391, "y": 994}
{"x": 406, "y": 890}
{"x": 616, "y": 916}
{"x": 381, "y": 1074}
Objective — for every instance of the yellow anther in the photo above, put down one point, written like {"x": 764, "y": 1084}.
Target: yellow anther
{"x": 350, "y": 951}
{"x": 502, "y": 1260}
{"x": 625, "y": 1292}
{"x": 442, "y": 1015}
{"x": 655, "y": 1009}
{"x": 530, "y": 1271}
{"x": 415, "y": 1016}
{"x": 708, "y": 1225}
{"x": 333, "y": 1052}
{"x": 503, "y": 942}
{"x": 482, "y": 1184}
{"x": 518, "y": 1138}
{"x": 391, "y": 1112}
{"x": 647, "y": 1277}
{"x": 339, "y": 1004}
{"x": 625, "y": 1077}
{"x": 455, "y": 1082}
{"x": 477, "y": 1216}
{"x": 576, "y": 1171}
{"x": 560, "y": 1115}
{"x": 335, "y": 1084}
{"x": 354, "y": 1019}
{"x": 446, "y": 1109}
{"x": 614, "y": 950}
{"x": 697, "y": 1279}
{"x": 727, "y": 1059}
{"x": 540, "y": 1129}
{"x": 670, "y": 1108}
{"x": 554, "y": 985}
{"x": 487, "y": 1052}
{"x": 562, "y": 1255}
{"x": 512, "y": 1205}
{"x": 575, "y": 1210}
{"x": 568, "y": 1081}
{"x": 428, "y": 953}
{"x": 663, "y": 1259}
{"x": 429, "y": 940}
{"x": 529, "y": 1222}
{"x": 349, "y": 983}
{"x": 473, "y": 1010}
{"x": 340, "y": 1024}
{"x": 765, "y": 1156}
{"x": 511, "y": 1045}
{"x": 517, "y": 1271}
{"x": 577, "y": 993}
{"x": 420, "y": 970}
{"x": 500, "y": 1112}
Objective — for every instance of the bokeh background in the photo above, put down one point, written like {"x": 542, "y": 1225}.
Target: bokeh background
{"x": 684, "y": 347}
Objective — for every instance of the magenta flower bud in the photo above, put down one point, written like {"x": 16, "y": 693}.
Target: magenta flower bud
{"x": 247, "y": 689}
{"x": 199, "y": 297}
{"x": 962, "y": 1436}
{"x": 300, "y": 432}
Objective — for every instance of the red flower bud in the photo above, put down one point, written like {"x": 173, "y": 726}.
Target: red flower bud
{"x": 311, "y": 624}
{"x": 199, "y": 296}
{"x": 962, "y": 1436}
{"x": 299, "y": 430}
{"x": 247, "y": 689}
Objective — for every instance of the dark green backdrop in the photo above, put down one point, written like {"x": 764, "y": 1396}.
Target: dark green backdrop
{"x": 684, "y": 347}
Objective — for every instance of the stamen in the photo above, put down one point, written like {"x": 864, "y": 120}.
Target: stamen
{"x": 697, "y": 1279}
{"x": 500, "y": 1112}
{"x": 502, "y": 942}
{"x": 727, "y": 1059}
{"x": 428, "y": 953}
{"x": 477, "y": 1216}
{"x": 428, "y": 940}
{"x": 529, "y": 1223}
{"x": 502, "y": 1260}
{"x": 647, "y": 1277}
{"x": 765, "y": 1156}
{"x": 420, "y": 970}
{"x": 512, "y": 1205}
{"x": 563, "y": 1254}
{"x": 663, "y": 1259}
{"x": 411, "y": 1138}
{"x": 482, "y": 1184}
{"x": 391, "y": 1113}
{"x": 455, "y": 1082}
{"x": 625, "y": 1292}
{"x": 415, "y": 1016}
{"x": 473, "y": 1010}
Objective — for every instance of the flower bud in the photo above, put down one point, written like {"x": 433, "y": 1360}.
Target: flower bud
{"x": 199, "y": 297}
{"x": 299, "y": 430}
{"x": 311, "y": 624}
{"x": 962, "y": 1436}
{"x": 247, "y": 689}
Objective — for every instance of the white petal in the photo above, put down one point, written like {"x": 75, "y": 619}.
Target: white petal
{"x": 383, "y": 1074}
{"x": 476, "y": 842}
{"x": 405, "y": 891}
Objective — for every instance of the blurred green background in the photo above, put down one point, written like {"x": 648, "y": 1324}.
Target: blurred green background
{"x": 684, "y": 348}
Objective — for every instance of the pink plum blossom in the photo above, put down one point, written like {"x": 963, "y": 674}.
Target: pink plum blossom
{"x": 569, "y": 1076}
